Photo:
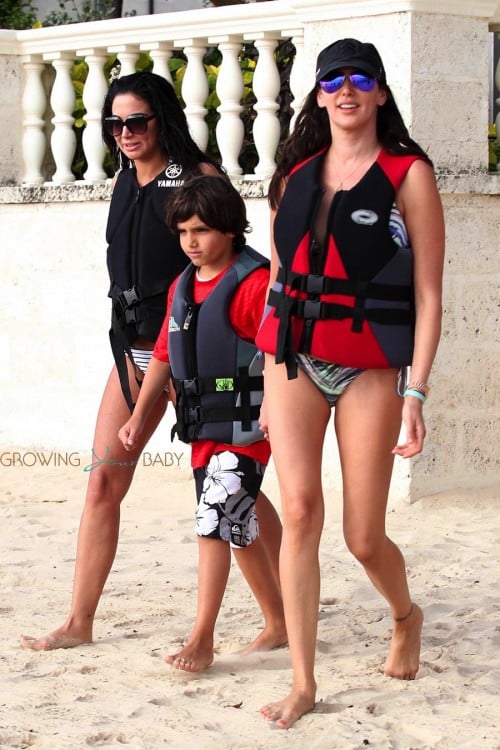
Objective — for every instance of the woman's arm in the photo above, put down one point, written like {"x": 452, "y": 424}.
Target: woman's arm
{"x": 422, "y": 212}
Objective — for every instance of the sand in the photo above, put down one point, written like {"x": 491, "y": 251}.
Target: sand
{"x": 118, "y": 692}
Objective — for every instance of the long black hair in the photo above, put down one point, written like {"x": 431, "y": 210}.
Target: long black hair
{"x": 173, "y": 132}
{"x": 312, "y": 133}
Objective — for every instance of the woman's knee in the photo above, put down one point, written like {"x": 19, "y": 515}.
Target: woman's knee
{"x": 364, "y": 546}
{"x": 108, "y": 486}
{"x": 303, "y": 514}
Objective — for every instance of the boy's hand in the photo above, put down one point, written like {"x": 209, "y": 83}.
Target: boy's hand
{"x": 130, "y": 433}
{"x": 263, "y": 420}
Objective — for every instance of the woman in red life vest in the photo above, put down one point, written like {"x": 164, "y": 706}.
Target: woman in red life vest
{"x": 354, "y": 301}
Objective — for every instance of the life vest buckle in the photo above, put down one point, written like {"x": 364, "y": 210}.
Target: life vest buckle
{"x": 193, "y": 415}
{"x": 315, "y": 284}
{"x": 312, "y": 309}
{"x": 190, "y": 387}
{"x": 128, "y": 298}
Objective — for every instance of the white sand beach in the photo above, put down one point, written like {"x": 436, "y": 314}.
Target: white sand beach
{"x": 118, "y": 692}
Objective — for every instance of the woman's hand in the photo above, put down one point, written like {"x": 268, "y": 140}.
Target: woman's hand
{"x": 413, "y": 420}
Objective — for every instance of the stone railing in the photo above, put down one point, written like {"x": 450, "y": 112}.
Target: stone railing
{"x": 36, "y": 65}
{"x": 48, "y": 55}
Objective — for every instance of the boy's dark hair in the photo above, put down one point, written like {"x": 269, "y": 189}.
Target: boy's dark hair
{"x": 215, "y": 201}
{"x": 173, "y": 131}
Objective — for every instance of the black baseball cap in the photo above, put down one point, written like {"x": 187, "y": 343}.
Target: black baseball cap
{"x": 350, "y": 53}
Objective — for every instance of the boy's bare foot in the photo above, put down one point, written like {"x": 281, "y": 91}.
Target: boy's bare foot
{"x": 59, "y": 638}
{"x": 266, "y": 641}
{"x": 286, "y": 712}
{"x": 404, "y": 657}
{"x": 194, "y": 657}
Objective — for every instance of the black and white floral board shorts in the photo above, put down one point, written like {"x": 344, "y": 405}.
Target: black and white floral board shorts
{"x": 226, "y": 490}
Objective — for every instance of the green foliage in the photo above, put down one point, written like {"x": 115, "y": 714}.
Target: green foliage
{"x": 17, "y": 14}
{"x": 74, "y": 11}
{"x": 493, "y": 149}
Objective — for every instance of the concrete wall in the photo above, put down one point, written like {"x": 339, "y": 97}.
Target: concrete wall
{"x": 56, "y": 356}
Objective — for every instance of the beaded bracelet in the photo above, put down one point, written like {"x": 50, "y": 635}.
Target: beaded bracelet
{"x": 417, "y": 394}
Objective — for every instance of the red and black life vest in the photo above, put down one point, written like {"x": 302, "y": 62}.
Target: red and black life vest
{"x": 349, "y": 301}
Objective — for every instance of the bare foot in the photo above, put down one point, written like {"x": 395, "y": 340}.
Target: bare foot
{"x": 194, "y": 657}
{"x": 286, "y": 712}
{"x": 57, "y": 639}
{"x": 404, "y": 657}
{"x": 266, "y": 641}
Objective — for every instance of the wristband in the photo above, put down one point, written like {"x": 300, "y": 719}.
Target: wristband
{"x": 417, "y": 394}
{"x": 419, "y": 385}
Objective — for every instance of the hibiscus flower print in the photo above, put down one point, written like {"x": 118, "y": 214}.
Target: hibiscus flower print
{"x": 225, "y": 504}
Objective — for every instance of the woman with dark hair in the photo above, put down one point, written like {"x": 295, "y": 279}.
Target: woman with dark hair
{"x": 146, "y": 131}
{"x": 354, "y": 300}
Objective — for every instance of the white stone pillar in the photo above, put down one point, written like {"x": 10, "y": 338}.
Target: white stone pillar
{"x": 160, "y": 52}
{"x": 93, "y": 97}
{"x": 195, "y": 90}
{"x": 230, "y": 130}
{"x": 34, "y": 104}
{"x": 127, "y": 55}
{"x": 297, "y": 78}
{"x": 266, "y": 87}
{"x": 62, "y": 100}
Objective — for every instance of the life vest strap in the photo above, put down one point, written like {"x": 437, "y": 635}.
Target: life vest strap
{"x": 199, "y": 386}
{"x": 314, "y": 284}
{"x": 318, "y": 310}
{"x": 201, "y": 415}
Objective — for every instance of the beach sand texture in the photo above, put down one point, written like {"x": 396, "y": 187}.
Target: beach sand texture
{"x": 118, "y": 692}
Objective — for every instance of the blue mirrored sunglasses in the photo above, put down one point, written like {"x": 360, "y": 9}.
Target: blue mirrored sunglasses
{"x": 359, "y": 80}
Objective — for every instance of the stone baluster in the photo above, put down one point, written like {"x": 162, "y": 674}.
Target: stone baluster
{"x": 62, "y": 100}
{"x": 160, "y": 52}
{"x": 195, "y": 91}
{"x": 297, "y": 79}
{"x": 230, "y": 130}
{"x": 127, "y": 55}
{"x": 266, "y": 87}
{"x": 34, "y": 104}
{"x": 93, "y": 97}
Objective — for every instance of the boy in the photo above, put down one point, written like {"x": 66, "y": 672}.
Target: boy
{"x": 207, "y": 346}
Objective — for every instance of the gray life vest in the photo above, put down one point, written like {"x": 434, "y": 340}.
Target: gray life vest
{"x": 217, "y": 375}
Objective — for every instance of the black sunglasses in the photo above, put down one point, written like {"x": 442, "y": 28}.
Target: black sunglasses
{"x": 136, "y": 124}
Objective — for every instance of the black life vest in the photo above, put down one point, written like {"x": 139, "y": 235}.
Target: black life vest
{"x": 349, "y": 301}
{"x": 143, "y": 259}
{"x": 217, "y": 375}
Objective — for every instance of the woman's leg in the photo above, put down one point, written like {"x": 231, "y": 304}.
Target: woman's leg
{"x": 214, "y": 563}
{"x": 297, "y": 415}
{"x": 367, "y": 422}
{"x": 100, "y": 521}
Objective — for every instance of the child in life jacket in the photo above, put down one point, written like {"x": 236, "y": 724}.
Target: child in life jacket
{"x": 206, "y": 351}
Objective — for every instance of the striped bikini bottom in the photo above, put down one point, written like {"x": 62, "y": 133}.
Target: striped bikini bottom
{"x": 332, "y": 380}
